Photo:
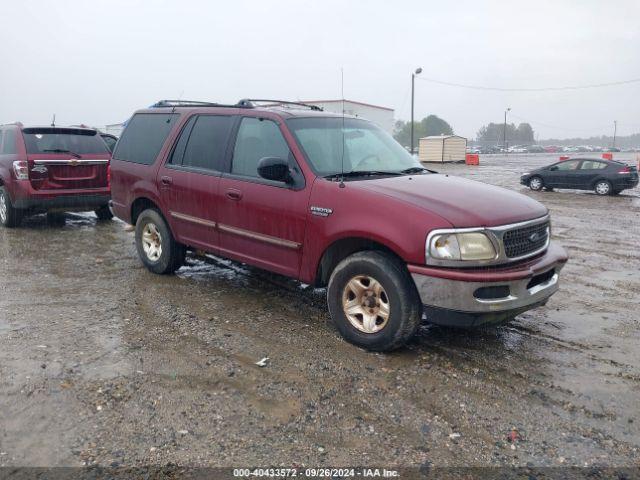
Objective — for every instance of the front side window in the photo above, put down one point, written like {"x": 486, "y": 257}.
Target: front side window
{"x": 144, "y": 136}
{"x": 593, "y": 165}
{"x": 334, "y": 145}
{"x": 570, "y": 165}
{"x": 257, "y": 138}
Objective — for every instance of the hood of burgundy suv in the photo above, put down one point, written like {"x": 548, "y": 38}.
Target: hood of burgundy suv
{"x": 462, "y": 202}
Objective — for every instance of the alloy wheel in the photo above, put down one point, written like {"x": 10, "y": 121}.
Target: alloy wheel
{"x": 3, "y": 208}
{"x": 535, "y": 183}
{"x": 603, "y": 188}
{"x": 152, "y": 242}
{"x": 366, "y": 304}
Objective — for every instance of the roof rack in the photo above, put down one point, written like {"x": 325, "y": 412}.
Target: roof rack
{"x": 251, "y": 103}
{"x": 188, "y": 103}
{"x": 244, "y": 103}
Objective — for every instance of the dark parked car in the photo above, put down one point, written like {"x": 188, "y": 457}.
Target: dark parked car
{"x": 48, "y": 169}
{"x": 605, "y": 177}
{"x": 334, "y": 202}
{"x": 109, "y": 140}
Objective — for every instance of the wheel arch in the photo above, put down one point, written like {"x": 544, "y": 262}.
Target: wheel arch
{"x": 341, "y": 249}
{"x": 600, "y": 179}
{"x": 536, "y": 175}
{"x": 141, "y": 204}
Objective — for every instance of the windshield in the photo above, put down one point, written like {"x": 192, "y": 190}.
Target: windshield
{"x": 61, "y": 140}
{"x": 366, "y": 147}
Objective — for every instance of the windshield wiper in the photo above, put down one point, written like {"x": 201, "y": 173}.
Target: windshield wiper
{"x": 415, "y": 170}
{"x": 62, "y": 150}
{"x": 361, "y": 173}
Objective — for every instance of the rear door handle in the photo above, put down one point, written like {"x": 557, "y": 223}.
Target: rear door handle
{"x": 234, "y": 194}
{"x": 166, "y": 181}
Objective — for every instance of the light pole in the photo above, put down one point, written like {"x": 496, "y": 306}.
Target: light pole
{"x": 615, "y": 130}
{"x": 504, "y": 133}
{"x": 413, "y": 81}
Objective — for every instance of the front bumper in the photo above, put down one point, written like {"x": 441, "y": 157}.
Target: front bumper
{"x": 473, "y": 297}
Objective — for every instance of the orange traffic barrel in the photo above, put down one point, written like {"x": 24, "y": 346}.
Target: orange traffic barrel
{"x": 472, "y": 159}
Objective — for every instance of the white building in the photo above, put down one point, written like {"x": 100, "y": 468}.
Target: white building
{"x": 382, "y": 116}
{"x": 442, "y": 148}
{"x": 114, "y": 129}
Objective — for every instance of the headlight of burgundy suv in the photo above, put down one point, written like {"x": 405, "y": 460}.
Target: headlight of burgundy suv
{"x": 466, "y": 246}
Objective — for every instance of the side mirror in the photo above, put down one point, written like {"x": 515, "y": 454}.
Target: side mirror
{"x": 274, "y": 168}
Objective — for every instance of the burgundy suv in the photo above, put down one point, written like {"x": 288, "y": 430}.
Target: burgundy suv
{"x": 331, "y": 201}
{"x": 48, "y": 169}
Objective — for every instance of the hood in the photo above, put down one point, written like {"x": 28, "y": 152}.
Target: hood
{"x": 462, "y": 202}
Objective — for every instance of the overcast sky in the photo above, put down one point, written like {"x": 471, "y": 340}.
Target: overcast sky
{"x": 96, "y": 62}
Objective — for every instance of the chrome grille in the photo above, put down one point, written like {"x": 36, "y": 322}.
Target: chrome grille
{"x": 525, "y": 240}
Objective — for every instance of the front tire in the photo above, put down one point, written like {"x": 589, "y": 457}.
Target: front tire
{"x": 603, "y": 187}
{"x": 104, "y": 213}
{"x": 373, "y": 301}
{"x": 157, "y": 248}
{"x": 9, "y": 217}
{"x": 536, "y": 184}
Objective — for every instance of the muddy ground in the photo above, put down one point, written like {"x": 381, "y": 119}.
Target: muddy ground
{"x": 102, "y": 362}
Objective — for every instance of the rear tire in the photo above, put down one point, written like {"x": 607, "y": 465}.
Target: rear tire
{"x": 383, "y": 304}
{"x": 157, "y": 248}
{"x": 104, "y": 213}
{"x": 9, "y": 217}
{"x": 603, "y": 187}
{"x": 536, "y": 183}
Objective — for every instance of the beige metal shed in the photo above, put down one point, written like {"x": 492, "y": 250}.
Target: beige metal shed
{"x": 442, "y": 148}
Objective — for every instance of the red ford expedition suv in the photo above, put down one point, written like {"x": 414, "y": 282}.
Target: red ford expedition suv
{"x": 332, "y": 201}
{"x": 47, "y": 169}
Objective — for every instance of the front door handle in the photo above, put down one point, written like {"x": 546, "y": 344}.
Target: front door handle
{"x": 234, "y": 194}
{"x": 166, "y": 181}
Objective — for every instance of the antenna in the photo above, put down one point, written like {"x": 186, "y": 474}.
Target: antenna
{"x": 53, "y": 120}
{"x": 341, "y": 185}
{"x": 173, "y": 110}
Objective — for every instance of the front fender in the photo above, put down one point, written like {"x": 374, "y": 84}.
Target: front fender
{"x": 356, "y": 213}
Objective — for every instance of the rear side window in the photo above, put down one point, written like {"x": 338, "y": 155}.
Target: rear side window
{"x": 63, "y": 140}
{"x": 144, "y": 136}
{"x": 206, "y": 144}
{"x": 257, "y": 138}
{"x": 593, "y": 165}
{"x": 8, "y": 141}
{"x": 570, "y": 165}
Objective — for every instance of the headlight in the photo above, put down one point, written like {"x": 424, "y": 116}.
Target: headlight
{"x": 525, "y": 174}
{"x": 461, "y": 246}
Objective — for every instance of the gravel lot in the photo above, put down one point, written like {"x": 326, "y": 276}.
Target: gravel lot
{"x": 103, "y": 363}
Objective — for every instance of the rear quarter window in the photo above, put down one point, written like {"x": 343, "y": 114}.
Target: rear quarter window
{"x": 144, "y": 136}
{"x": 8, "y": 142}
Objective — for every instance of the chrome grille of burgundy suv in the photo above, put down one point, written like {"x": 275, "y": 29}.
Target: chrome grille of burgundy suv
{"x": 525, "y": 240}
